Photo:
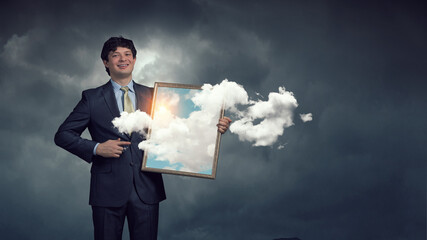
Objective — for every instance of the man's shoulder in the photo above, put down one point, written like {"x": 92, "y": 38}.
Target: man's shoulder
{"x": 140, "y": 86}
{"x": 143, "y": 90}
{"x": 97, "y": 89}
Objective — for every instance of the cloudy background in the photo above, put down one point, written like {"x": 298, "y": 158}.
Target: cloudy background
{"x": 357, "y": 171}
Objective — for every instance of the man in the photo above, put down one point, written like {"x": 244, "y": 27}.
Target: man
{"x": 118, "y": 188}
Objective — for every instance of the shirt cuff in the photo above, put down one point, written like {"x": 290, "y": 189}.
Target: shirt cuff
{"x": 94, "y": 149}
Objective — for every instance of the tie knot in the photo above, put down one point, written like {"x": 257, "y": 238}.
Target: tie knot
{"x": 125, "y": 89}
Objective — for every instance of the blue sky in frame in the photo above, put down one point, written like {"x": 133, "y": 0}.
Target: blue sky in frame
{"x": 185, "y": 106}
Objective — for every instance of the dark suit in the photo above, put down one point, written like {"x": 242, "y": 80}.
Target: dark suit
{"x": 112, "y": 179}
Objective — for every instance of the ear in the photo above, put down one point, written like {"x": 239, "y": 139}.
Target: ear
{"x": 105, "y": 63}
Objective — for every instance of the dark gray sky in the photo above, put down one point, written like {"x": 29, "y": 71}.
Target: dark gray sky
{"x": 357, "y": 171}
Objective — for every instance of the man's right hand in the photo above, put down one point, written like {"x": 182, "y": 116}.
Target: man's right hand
{"x": 111, "y": 148}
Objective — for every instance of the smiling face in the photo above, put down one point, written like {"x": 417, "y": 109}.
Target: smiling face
{"x": 120, "y": 63}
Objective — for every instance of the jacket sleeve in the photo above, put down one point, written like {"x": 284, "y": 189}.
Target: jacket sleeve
{"x": 68, "y": 135}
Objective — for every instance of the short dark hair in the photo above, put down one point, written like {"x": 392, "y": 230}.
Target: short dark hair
{"x": 111, "y": 45}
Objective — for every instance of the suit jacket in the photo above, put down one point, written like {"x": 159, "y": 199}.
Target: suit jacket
{"x": 112, "y": 179}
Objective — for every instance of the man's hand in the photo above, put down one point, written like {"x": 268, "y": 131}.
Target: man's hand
{"x": 111, "y": 148}
{"x": 223, "y": 124}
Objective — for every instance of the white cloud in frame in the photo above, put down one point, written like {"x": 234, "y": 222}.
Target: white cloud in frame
{"x": 177, "y": 140}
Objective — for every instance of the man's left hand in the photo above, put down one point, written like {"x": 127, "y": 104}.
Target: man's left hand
{"x": 223, "y": 124}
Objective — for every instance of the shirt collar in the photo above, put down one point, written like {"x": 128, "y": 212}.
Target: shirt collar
{"x": 117, "y": 87}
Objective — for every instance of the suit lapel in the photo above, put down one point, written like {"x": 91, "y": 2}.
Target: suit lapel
{"x": 110, "y": 99}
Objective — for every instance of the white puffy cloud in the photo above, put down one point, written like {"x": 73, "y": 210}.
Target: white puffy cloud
{"x": 274, "y": 115}
{"x": 306, "y": 117}
{"x": 132, "y": 122}
{"x": 281, "y": 146}
{"x": 227, "y": 94}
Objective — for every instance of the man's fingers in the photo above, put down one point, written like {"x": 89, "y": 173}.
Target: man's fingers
{"x": 112, "y": 148}
{"x": 224, "y": 121}
{"x": 222, "y": 128}
{"x": 223, "y": 124}
{"x": 117, "y": 152}
{"x": 226, "y": 118}
{"x": 120, "y": 143}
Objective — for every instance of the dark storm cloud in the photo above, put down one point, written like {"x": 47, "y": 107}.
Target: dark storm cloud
{"x": 357, "y": 171}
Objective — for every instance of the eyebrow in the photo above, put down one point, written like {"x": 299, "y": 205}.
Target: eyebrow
{"x": 127, "y": 51}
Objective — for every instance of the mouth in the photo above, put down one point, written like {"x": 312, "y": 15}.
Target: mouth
{"x": 122, "y": 66}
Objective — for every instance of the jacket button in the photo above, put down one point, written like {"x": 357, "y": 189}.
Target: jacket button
{"x": 131, "y": 163}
